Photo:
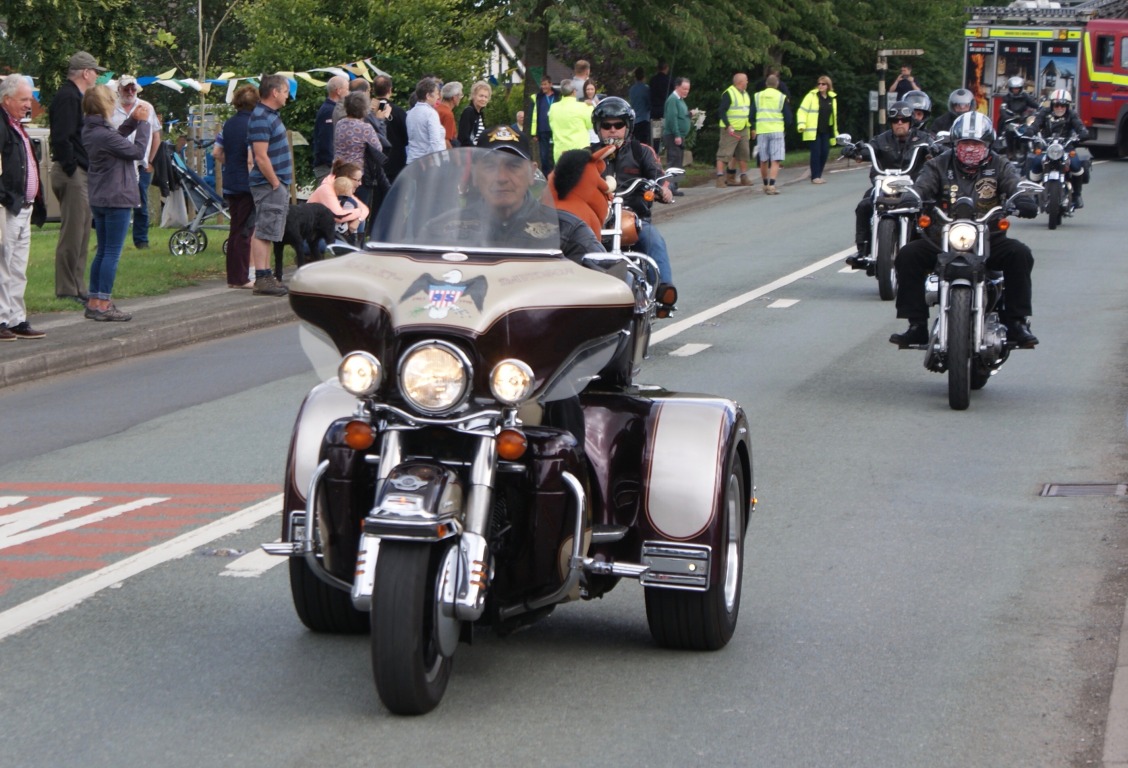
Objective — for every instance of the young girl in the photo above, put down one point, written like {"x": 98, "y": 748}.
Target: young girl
{"x": 337, "y": 192}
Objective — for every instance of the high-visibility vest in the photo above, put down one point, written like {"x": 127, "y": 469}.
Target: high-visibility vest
{"x": 739, "y": 107}
{"x": 769, "y": 111}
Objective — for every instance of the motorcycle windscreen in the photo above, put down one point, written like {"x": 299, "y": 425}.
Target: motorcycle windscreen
{"x": 468, "y": 198}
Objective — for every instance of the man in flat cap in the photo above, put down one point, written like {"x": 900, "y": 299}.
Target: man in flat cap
{"x": 68, "y": 176}
{"x": 128, "y": 88}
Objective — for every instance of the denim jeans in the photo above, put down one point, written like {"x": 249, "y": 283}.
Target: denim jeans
{"x": 110, "y": 227}
{"x": 141, "y": 213}
{"x": 820, "y": 151}
{"x": 652, "y": 243}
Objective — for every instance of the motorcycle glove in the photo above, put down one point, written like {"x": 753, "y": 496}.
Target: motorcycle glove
{"x": 1027, "y": 208}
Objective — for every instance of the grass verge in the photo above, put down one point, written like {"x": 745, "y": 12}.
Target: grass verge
{"x": 151, "y": 272}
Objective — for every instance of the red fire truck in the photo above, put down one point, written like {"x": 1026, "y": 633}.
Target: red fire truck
{"x": 1081, "y": 47}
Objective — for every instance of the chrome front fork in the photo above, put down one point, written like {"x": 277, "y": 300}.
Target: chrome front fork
{"x": 978, "y": 299}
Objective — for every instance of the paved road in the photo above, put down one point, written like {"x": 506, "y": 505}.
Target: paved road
{"x": 909, "y": 599}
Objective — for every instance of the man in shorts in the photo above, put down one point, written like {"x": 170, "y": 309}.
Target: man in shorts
{"x": 769, "y": 107}
{"x": 734, "y": 110}
{"x": 270, "y": 178}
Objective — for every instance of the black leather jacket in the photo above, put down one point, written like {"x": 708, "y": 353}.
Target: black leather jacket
{"x": 1046, "y": 124}
{"x": 942, "y": 181}
{"x": 13, "y": 180}
{"x": 1012, "y": 105}
{"x": 892, "y": 152}
{"x": 631, "y": 161}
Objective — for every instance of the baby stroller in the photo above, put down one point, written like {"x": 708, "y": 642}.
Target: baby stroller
{"x": 207, "y": 202}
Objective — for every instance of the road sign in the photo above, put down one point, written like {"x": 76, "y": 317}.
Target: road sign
{"x": 901, "y": 52}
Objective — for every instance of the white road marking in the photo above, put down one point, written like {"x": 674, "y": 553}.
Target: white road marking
{"x": 26, "y": 519}
{"x": 848, "y": 270}
{"x": 685, "y": 350}
{"x": 69, "y": 595}
{"x": 10, "y": 501}
{"x": 783, "y": 303}
{"x": 11, "y": 539}
{"x": 674, "y": 329}
{"x": 253, "y": 564}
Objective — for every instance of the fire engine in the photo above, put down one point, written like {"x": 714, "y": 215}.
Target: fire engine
{"x": 1081, "y": 47}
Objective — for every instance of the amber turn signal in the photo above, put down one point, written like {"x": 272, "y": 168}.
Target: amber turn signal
{"x": 359, "y": 435}
{"x": 1004, "y": 225}
{"x": 511, "y": 444}
{"x": 648, "y": 195}
{"x": 925, "y": 220}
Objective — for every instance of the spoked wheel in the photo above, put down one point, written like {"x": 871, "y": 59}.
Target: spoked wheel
{"x": 412, "y": 642}
{"x": 183, "y": 243}
{"x": 705, "y": 621}
{"x": 886, "y": 253}
{"x": 959, "y": 348}
{"x": 1053, "y": 202}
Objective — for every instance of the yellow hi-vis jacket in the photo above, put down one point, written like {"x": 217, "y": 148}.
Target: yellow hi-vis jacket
{"x": 808, "y": 120}
{"x": 769, "y": 111}
{"x": 737, "y": 115}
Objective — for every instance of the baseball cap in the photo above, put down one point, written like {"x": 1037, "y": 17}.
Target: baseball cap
{"x": 83, "y": 60}
{"x": 502, "y": 138}
{"x": 129, "y": 80}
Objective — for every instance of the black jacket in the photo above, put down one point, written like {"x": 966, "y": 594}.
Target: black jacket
{"x": 13, "y": 180}
{"x": 631, "y": 161}
{"x": 891, "y": 152}
{"x": 942, "y": 182}
{"x": 1047, "y": 125}
{"x": 65, "y": 116}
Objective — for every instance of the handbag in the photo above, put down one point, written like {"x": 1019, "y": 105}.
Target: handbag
{"x": 175, "y": 212}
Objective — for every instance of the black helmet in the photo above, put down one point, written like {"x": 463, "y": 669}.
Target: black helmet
{"x": 961, "y": 97}
{"x": 900, "y": 109}
{"x": 613, "y": 108}
{"x": 972, "y": 127}
{"x": 1015, "y": 84}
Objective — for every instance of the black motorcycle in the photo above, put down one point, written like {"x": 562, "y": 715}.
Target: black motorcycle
{"x": 1057, "y": 199}
{"x": 968, "y": 340}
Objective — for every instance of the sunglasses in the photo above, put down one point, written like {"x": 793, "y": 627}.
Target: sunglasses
{"x": 613, "y": 126}
{"x": 901, "y": 120}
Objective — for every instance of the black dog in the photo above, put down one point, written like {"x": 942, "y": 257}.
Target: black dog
{"x": 306, "y": 224}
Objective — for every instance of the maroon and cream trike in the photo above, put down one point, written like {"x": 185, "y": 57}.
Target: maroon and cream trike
{"x": 479, "y": 451}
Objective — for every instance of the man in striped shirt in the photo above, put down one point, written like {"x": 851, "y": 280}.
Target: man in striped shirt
{"x": 270, "y": 180}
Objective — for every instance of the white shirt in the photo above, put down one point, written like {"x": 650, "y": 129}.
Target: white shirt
{"x": 121, "y": 114}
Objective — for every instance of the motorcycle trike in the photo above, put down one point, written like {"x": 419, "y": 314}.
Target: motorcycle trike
{"x": 480, "y": 451}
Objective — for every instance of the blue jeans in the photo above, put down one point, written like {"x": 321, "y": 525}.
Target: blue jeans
{"x": 141, "y": 213}
{"x": 110, "y": 227}
{"x": 1074, "y": 165}
{"x": 820, "y": 151}
{"x": 651, "y": 242}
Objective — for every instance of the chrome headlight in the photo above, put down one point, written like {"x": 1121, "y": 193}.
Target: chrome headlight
{"x": 434, "y": 376}
{"x": 511, "y": 381}
{"x": 891, "y": 186}
{"x": 359, "y": 373}
{"x": 962, "y": 236}
{"x": 1055, "y": 151}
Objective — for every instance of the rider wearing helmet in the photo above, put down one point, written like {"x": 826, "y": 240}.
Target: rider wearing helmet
{"x": 922, "y": 107}
{"x": 892, "y": 149}
{"x": 970, "y": 169}
{"x": 960, "y": 101}
{"x": 613, "y": 121}
{"x": 1060, "y": 121}
{"x": 1015, "y": 104}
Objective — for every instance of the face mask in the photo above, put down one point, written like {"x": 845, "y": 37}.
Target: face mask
{"x": 971, "y": 153}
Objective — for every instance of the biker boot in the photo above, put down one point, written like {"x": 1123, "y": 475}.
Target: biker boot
{"x": 1078, "y": 203}
{"x": 859, "y": 260}
{"x": 1019, "y": 334}
{"x": 916, "y": 334}
{"x": 720, "y": 181}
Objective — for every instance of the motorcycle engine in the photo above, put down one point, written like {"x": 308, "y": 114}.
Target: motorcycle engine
{"x": 994, "y": 339}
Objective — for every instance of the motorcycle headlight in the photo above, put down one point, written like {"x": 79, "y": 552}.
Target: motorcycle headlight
{"x": 892, "y": 186}
{"x": 1055, "y": 151}
{"x": 359, "y": 373}
{"x": 511, "y": 381}
{"x": 435, "y": 377}
{"x": 961, "y": 237}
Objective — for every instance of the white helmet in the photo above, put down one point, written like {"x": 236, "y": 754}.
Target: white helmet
{"x": 1061, "y": 97}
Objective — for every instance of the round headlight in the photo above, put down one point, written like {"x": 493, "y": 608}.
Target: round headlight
{"x": 434, "y": 377}
{"x": 359, "y": 373}
{"x": 961, "y": 237}
{"x": 1055, "y": 151}
{"x": 511, "y": 381}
